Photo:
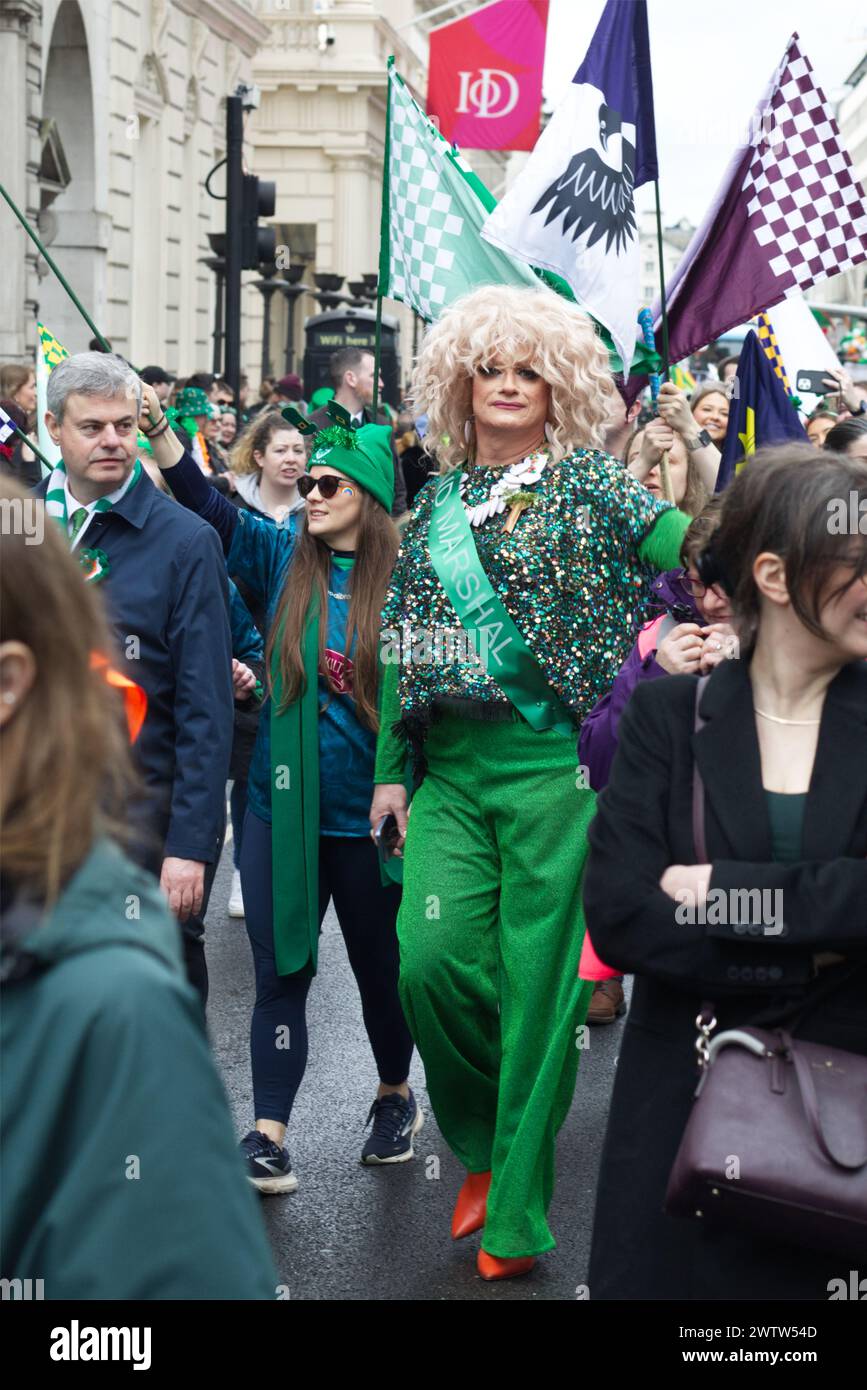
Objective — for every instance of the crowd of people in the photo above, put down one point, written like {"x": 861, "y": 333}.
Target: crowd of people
{"x": 389, "y": 634}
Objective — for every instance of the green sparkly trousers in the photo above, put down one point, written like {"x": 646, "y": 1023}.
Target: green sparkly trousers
{"x": 490, "y": 933}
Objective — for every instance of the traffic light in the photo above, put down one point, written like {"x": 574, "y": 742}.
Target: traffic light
{"x": 258, "y": 244}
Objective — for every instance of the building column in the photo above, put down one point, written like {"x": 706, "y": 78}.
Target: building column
{"x": 19, "y": 62}
{"x": 356, "y": 233}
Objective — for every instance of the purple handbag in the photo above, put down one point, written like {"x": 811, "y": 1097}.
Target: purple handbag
{"x": 777, "y": 1137}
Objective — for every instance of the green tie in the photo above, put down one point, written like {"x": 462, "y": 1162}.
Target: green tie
{"x": 78, "y": 518}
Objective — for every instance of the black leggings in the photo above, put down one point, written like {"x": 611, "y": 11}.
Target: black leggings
{"x": 367, "y": 912}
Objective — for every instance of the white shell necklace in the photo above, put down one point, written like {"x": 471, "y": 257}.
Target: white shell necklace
{"x": 528, "y": 470}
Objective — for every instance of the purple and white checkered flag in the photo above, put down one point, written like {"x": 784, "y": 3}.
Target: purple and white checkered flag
{"x": 7, "y": 428}
{"x": 789, "y": 212}
{"x": 805, "y": 203}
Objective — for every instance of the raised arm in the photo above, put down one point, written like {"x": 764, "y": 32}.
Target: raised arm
{"x": 183, "y": 475}
{"x": 256, "y": 550}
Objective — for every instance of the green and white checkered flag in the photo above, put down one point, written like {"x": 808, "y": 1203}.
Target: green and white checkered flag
{"x": 431, "y": 251}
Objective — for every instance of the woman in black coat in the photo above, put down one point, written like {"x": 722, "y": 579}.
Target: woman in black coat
{"x": 783, "y": 758}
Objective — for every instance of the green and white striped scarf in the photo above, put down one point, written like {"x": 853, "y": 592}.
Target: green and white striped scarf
{"x": 93, "y": 562}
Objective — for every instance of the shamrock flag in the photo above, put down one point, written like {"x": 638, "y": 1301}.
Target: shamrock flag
{"x": 48, "y": 353}
{"x": 433, "y": 208}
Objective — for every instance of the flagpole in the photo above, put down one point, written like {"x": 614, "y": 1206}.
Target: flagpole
{"x": 382, "y": 276}
{"x": 662, "y": 301}
{"x": 61, "y": 277}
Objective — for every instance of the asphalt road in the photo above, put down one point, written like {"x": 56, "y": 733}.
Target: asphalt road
{"x": 351, "y": 1232}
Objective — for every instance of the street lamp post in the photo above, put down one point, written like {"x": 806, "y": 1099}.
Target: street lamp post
{"x": 218, "y": 266}
{"x": 217, "y": 263}
{"x": 293, "y": 291}
{"x": 327, "y": 292}
{"x": 267, "y": 287}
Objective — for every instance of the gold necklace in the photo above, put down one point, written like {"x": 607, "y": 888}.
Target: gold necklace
{"x": 775, "y": 719}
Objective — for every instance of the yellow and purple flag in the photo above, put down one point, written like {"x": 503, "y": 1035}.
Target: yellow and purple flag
{"x": 48, "y": 353}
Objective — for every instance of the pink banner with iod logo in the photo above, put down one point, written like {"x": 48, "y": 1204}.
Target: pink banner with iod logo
{"x": 485, "y": 77}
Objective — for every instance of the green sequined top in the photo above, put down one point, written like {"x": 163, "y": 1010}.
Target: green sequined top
{"x": 575, "y": 576}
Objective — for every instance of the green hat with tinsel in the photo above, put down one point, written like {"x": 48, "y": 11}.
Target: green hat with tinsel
{"x": 192, "y": 401}
{"x": 360, "y": 452}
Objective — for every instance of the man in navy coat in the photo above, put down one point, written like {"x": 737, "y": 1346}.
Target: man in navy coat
{"x": 163, "y": 578}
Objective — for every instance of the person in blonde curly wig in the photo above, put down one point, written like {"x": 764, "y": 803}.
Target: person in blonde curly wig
{"x": 535, "y": 329}
{"x": 522, "y": 572}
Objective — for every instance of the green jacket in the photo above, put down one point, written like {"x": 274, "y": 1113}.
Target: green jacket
{"x": 120, "y": 1173}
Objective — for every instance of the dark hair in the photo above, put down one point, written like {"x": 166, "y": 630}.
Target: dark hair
{"x": 156, "y": 376}
{"x": 700, "y": 530}
{"x": 848, "y": 432}
{"x": 726, "y": 362}
{"x": 203, "y": 380}
{"x": 345, "y": 360}
{"x": 784, "y": 501}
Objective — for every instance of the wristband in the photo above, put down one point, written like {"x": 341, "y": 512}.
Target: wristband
{"x": 163, "y": 420}
{"x": 158, "y": 430}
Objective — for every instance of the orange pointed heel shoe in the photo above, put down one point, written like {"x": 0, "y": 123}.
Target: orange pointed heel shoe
{"x": 471, "y": 1206}
{"x": 492, "y": 1268}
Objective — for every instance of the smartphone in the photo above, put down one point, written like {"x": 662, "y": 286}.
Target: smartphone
{"x": 816, "y": 383}
{"x": 386, "y": 836}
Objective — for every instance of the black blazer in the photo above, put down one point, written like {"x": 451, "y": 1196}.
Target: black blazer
{"x": 167, "y": 587}
{"x": 644, "y": 824}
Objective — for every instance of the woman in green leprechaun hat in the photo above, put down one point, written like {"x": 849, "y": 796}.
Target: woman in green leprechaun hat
{"x": 311, "y": 776}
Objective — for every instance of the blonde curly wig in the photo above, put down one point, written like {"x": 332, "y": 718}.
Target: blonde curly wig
{"x": 514, "y": 327}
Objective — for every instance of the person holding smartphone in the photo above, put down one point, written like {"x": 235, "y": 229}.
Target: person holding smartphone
{"x": 306, "y": 832}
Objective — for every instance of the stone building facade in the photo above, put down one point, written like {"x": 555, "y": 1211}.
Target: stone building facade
{"x": 114, "y": 117}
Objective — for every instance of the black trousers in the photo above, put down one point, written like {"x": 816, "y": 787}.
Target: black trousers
{"x": 367, "y": 913}
{"x": 148, "y": 850}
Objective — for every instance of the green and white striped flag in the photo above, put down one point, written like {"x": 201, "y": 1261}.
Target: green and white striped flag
{"x": 431, "y": 251}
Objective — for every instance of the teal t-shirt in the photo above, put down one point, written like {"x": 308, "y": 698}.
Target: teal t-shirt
{"x": 260, "y": 554}
{"x": 347, "y": 750}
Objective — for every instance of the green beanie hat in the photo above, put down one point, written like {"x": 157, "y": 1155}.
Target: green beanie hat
{"x": 363, "y": 454}
{"x": 321, "y": 397}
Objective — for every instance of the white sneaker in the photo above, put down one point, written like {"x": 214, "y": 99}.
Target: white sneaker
{"x": 236, "y": 900}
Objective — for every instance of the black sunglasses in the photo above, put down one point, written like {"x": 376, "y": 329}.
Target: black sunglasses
{"x": 328, "y": 484}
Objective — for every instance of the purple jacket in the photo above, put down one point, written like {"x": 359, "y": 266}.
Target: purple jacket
{"x": 598, "y": 741}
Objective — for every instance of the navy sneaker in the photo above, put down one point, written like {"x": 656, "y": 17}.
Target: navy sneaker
{"x": 395, "y": 1121}
{"x": 268, "y": 1166}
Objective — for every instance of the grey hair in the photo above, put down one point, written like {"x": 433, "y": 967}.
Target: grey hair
{"x": 90, "y": 374}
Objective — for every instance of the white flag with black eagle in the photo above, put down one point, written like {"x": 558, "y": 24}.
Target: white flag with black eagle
{"x": 572, "y": 209}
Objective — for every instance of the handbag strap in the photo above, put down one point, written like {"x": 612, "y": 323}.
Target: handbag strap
{"x": 811, "y": 1104}
{"x": 698, "y": 827}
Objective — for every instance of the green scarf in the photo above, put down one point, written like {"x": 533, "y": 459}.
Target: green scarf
{"x": 93, "y": 562}
{"x": 295, "y": 807}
